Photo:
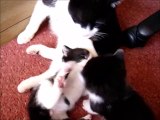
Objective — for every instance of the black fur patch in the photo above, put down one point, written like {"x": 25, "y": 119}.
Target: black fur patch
{"x": 36, "y": 112}
{"x": 66, "y": 76}
{"x": 67, "y": 119}
{"x": 76, "y": 54}
{"x": 66, "y": 101}
{"x": 50, "y": 3}
{"x": 99, "y": 14}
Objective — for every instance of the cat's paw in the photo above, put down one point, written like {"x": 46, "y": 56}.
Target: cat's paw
{"x": 86, "y": 106}
{"x": 24, "y": 37}
{"x": 33, "y": 49}
{"x": 21, "y": 87}
{"x": 87, "y": 117}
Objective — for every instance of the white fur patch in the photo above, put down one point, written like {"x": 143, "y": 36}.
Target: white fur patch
{"x": 114, "y": 4}
{"x": 95, "y": 98}
{"x": 48, "y": 94}
{"x": 63, "y": 25}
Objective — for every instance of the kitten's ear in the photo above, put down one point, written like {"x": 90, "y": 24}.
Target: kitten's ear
{"x": 65, "y": 50}
{"x": 119, "y": 54}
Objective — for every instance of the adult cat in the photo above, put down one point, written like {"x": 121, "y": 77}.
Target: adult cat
{"x": 76, "y": 22}
{"x": 89, "y": 24}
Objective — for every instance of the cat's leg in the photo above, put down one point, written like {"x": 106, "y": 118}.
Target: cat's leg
{"x": 87, "y": 117}
{"x": 87, "y": 107}
{"x": 40, "y": 12}
{"x": 44, "y": 51}
{"x": 51, "y": 72}
{"x": 35, "y": 80}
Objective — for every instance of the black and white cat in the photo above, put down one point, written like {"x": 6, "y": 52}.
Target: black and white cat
{"x": 52, "y": 96}
{"x": 109, "y": 94}
{"x": 76, "y": 23}
{"x": 89, "y": 24}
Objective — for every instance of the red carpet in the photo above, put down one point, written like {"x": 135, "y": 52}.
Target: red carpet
{"x": 143, "y": 64}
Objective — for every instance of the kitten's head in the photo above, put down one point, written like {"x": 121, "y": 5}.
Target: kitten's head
{"x": 105, "y": 75}
{"x": 78, "y": 55}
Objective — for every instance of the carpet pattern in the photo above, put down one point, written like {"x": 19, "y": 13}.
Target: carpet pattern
{"x": 143, "y": 65}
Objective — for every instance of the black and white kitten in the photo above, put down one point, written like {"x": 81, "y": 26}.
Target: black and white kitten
{"x": 52, "y": 96}
{"x": 109, "y": 94}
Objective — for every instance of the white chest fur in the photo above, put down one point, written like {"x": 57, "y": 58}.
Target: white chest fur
{"x": 63, "y": 25}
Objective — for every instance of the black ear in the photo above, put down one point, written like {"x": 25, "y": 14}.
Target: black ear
{"x": 119, "y": 54}
{"x": 65, "y": 50}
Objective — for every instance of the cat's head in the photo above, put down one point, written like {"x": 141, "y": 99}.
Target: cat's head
{"x": 88, "y": 12}
{"x": 105, "y": 75}
{"x": 78, "y": 55}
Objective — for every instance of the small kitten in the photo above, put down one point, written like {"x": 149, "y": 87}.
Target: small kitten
{"x": 109, "y": 94}
{"x": 52, "y": 97}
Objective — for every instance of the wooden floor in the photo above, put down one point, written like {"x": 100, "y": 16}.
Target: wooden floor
{"x": 15, "y": 15}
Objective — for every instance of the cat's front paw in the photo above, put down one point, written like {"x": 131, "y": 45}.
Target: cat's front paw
{"x": 87, "y": 117}
{"x": 22, "y": 87}
{"x": 33, "y": 49}
{"x": 86, "y": 106}
{"x": 26, "y": 84}
{"x": 24, "y": 37}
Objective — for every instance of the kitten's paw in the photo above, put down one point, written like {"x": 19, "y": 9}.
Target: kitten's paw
{"x": 24, "y": 37}
{"x": 87, "y": 117}
{"x": 21, "y": 87}
{"x": 86, "y": 106}
{"x": 33, "y": 49}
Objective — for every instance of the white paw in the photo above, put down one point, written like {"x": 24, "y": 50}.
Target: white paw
{"x": 87, "y": 117}
{"x": 24, "y": 37}
{"x": 21, "y": 87}
{"x": 86, "y": 105}
{"x": 33, "y": 49}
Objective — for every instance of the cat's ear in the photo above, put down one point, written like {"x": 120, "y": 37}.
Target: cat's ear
{"x": 65, "y": 50}
{"x": 119, "y": 54}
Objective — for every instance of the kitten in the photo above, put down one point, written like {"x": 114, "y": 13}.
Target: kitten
{"x": 109, "y": 94}
{"x": 68, "y": 55}
{"x": 56, "y": 94}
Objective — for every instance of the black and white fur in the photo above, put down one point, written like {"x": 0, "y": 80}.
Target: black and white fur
{"x": 109, "y": 94}
{"x": 76, "y": 22}
{"x": 89, "y": 24}
{"x": 48, "y": 100}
